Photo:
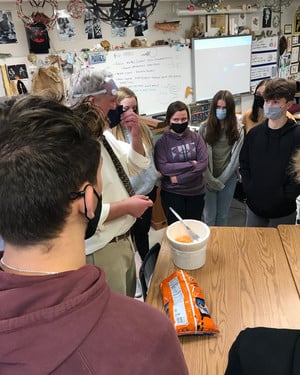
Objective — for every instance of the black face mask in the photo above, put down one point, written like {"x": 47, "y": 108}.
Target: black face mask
{"x": 179, "y": 128}
{"x": 259, "y": 101}
{"x": 114, "y": 116}
{"x": 93, "y": 223}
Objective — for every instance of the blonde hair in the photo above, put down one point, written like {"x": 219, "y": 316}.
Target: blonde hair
{"x": 123, "y": 93}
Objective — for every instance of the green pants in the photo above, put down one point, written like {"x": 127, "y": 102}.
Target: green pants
{"x": 118, "y": 262}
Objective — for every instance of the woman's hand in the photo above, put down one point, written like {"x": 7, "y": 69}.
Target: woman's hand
{"x": 131, "y": 121}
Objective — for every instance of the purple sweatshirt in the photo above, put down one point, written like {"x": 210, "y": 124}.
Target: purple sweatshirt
{"x": 72, "y": 323}
{"x": 174, "y": 155}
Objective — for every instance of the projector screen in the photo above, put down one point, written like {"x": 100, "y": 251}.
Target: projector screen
{"x": 221, "y": 63}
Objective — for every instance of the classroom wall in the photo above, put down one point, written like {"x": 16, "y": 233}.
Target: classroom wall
{"x": 165, "y": 11}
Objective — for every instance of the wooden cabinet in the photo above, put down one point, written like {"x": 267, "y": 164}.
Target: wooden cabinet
{"x": 158, "y": 220}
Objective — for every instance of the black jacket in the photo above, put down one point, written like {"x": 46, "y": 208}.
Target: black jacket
{"x": 265, "y": 166}
{"x": 265, "y": 351}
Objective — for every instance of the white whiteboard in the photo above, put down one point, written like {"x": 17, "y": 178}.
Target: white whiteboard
{"x": 221, "y": 64}
{"x": 158, "y": 75}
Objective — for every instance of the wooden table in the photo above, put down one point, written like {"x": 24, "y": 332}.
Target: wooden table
{"x": 246, "y": 282}
{"x": 290, "y": 238}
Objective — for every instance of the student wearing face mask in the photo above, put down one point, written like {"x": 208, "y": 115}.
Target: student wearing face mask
{"x": 224, "y": 138}
{"x": 256, "y": 115}
{"x": 181, "y": 157}
{"x": 265, "y": 160}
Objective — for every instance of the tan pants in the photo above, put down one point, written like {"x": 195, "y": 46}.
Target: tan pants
{"x": 118, "y": 262}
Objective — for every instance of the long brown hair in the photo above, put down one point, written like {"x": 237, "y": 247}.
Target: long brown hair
{"x": 213, "y": 126}
{"x": 123, "y": 93}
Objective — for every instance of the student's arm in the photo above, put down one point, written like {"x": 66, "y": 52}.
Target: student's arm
{"x": 234, "y": 160}
{"x": 212, "y": 183}
{"x": 166, "y": 356}
{"x": 164, "y": 166}
{"x": 200, "y": 164}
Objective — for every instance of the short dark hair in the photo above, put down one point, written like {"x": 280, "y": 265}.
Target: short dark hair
{"x": 175, "y": 107}
{"x": 46, "y": 153}
{"x": 279, "y": 88}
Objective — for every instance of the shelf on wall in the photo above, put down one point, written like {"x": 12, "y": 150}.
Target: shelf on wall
{"x": 203, "y": 12}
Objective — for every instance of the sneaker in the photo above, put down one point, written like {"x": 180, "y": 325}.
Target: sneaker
{"x": 138, "y": 290}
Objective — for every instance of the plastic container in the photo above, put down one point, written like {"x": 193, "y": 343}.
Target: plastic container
{"x": 191, "y": 255}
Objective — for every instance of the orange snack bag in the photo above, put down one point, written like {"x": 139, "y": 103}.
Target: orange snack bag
{"x": 184, "y": 238}
{"x": 185, "y": 305}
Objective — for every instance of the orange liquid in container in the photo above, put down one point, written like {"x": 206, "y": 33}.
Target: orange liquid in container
{"x": 184, "y": 238}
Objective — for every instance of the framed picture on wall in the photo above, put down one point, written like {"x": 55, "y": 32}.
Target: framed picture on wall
{"x": 267, "y": 17}
{"x": 287, "y": 29}
{"x": 218, "y": 22}
{"x": 295, "y": 54}
{"x": 7, "y": 28}
{"x": 294, "y": 68}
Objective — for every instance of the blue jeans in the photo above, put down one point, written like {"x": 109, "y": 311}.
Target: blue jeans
{"x": 217, "y": 203}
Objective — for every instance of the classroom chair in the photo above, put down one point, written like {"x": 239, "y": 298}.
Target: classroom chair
{"x": 147, "y": 268}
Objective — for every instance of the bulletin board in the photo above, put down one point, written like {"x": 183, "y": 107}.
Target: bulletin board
{"x": 158, "y": 75}
{"x": 264, "y": 57}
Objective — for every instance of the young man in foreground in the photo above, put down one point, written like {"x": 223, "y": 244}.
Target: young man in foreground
{"x": 57, "y": 314}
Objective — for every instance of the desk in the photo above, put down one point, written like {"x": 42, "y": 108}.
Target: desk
{"x": 290, "y": 238}
{"x": 246, "y": 282}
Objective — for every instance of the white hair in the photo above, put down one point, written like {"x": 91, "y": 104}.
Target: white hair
{"x": 87, "y": 83}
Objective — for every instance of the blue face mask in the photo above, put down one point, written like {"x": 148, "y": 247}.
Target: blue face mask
{"x": 221, "y": 113}
{"x": 272, "y": 113}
